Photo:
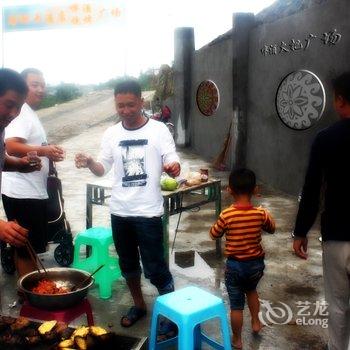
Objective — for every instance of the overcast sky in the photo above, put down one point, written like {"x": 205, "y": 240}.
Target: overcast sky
{"x": 142, "y": 38}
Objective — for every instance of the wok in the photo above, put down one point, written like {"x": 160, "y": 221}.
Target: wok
{"x": 69, "y": 276}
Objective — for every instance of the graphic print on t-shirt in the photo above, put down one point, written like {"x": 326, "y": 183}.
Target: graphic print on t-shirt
{"x": 133, "y": 156}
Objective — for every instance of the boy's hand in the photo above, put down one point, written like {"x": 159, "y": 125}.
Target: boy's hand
{"x": 300, "y": 247}
{"x": 172, "y": 169}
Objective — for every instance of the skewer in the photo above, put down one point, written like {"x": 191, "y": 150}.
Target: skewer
{"x": 77, "y": 286}
{"x": 35, "y": 257}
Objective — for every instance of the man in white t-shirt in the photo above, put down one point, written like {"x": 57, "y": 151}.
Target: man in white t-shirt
{"x": 13, "y": 91}
{"x": 138, "y": 149}
{"x": 24, "y": 195}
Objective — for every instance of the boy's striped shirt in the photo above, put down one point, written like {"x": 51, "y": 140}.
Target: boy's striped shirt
{"x": 242, "y": 228}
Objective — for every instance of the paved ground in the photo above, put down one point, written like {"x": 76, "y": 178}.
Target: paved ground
{"x": 287, "y": 279}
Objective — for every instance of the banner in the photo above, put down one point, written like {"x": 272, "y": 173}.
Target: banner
{"x": 36, "y": 17}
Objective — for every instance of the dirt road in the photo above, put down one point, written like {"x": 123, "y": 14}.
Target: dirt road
{"x": 66, "y": 120}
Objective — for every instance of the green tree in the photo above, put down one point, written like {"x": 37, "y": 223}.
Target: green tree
{"x": 67, "y": 92}
{"x": 164, "y": 83}
{"x": 59, "y": 94}
{"x": 49, "y": 101}
{"x": 146, "y": 80}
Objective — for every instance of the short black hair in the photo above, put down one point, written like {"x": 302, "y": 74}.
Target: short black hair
{"x": 242, "y": 181}
{"x": 128, "y": 86}
{"x": 28, "y": 71}
{"x": 341, "y": 86}
{"x": 11, "y": 80}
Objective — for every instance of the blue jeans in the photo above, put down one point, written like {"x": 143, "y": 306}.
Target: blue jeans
{"x": 242, "y": 277}
{"x": 139, "y": 236}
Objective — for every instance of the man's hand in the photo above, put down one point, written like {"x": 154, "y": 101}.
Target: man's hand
{"x": 12, "y": 233}
{"x": 82, "y": 160}
{"x": 53, "y": 152}
{"x": 26, "y": 166}
{"x": 300, "y": 247}
{"x": 172, "y": 169}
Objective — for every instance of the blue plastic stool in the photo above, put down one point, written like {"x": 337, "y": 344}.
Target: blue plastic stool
{"x": 100, "y": 239}
{"x": 188, "y": 308}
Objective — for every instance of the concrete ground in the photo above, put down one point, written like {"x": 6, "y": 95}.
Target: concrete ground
{"x": 289, "y": 283}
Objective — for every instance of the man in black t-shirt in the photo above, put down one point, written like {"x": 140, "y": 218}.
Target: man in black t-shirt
{"x": 329, "y": 169}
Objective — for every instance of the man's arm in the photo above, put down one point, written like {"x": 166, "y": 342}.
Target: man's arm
{"x": 171, "y": 161}
{"x": 85, "y": 161}
{"x": 309, "y": 204}
{"x": 105, "y": 158}
{"x": 21, "y": 164}
{"x": 18, "y": 147}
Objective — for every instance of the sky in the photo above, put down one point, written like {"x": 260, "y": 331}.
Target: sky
{"x": 141, "y": 38}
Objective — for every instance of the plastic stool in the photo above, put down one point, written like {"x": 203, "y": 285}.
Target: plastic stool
{"x": 66, "y": 315}
{"x": 188, "y": 308}
{"x": 100, "y": 239}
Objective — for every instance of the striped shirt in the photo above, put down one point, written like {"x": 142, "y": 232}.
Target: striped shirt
{"x": 242, "y": 229}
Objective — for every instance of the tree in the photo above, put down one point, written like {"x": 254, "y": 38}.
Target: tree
{"x": 164, "y": 83}
{"x": 67, "y": 92}
{"x": 146, "y": 80}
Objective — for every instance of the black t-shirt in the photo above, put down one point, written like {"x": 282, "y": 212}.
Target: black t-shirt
{"x": 328, "y": 170}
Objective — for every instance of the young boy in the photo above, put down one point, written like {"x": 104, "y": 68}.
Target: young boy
{"x": 241, "y": 223}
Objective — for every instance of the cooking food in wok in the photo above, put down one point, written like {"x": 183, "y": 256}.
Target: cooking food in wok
{"x": 47, "y": 297}
{"x": 46, "y": 286}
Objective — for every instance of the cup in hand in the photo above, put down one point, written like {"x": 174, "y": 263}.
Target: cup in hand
{"x": 80, "y": 160}
{"x": 32, "y": 158}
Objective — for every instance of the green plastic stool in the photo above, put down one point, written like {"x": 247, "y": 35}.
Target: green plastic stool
{"x": 99, "y": 239}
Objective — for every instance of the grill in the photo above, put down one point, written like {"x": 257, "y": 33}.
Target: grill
{"x": 22, "y": 334}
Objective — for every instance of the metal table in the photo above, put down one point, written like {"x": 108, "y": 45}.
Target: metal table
{"x": 174, "y": 203}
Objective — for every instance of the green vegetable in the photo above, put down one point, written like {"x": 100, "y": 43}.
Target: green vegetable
{"x": 168, "y": 184}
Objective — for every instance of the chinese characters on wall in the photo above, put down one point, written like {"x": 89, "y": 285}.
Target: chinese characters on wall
{"x": 31, "y": 17}
{"x": 330, "y": 38}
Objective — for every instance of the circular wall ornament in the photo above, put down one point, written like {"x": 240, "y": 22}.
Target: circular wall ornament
{"x": 300, "y": 100}
{"x": 207, "y": 97}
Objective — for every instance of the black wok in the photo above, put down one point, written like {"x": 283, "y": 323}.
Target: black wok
{"x": 69, "y": 276}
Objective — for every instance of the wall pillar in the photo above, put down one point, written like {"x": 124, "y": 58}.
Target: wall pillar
{"x": 242, "y": 25}
{"x": 183, "y": 52}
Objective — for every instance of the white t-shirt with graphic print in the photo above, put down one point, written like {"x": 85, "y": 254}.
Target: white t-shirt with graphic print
{"x": 26, "y": 126}
{"x": 137, "y": 157}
